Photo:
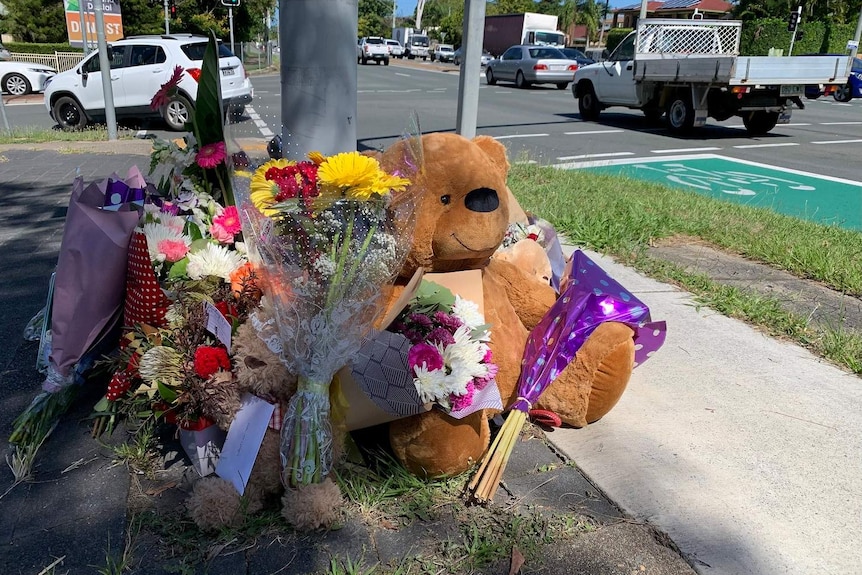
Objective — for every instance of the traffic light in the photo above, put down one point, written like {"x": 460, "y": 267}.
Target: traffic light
{"x": 792, "y": 21}
{"x": 173, "y": 9}
{"x": 231, "y": 3}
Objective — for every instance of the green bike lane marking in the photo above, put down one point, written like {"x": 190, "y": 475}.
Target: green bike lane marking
{"x": 814, "y": 197}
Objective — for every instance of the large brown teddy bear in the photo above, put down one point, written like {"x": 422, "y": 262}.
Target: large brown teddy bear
{"x": 462, "y": 217}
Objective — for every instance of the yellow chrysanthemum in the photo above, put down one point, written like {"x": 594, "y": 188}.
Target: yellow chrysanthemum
{"x": 387, "y": 183}
{"x": 316, "y": 157}
{"x": 263, "y": 191}
{"x": 349, "y": 173}
{"x": 242, "y": 173}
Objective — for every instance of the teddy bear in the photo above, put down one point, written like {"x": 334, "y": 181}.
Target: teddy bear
{"x": 462, "y": 215}
{"x": 215, "y": 502}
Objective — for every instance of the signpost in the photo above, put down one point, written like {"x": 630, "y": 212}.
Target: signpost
{"x": 230, "y": 6}
{"x": 81, "y": 21}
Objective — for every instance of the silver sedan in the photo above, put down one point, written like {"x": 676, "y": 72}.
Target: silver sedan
{"x": 527, "y": 65}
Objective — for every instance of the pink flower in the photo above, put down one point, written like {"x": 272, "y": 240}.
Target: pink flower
{"x": 459, "y": 402}
{"x": 211, "y": 155}
{"x": 174, "y": 250}
{"x": 163, "y": 95}
{"x": 481, "y": 382}
{"x": 424, "y": 354}
{"x": 221, "y": 234}
{"x": 229, "y": 220}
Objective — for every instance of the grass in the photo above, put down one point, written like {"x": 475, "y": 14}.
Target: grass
{"x": 34, "y": 135}
{"x": 622, "y": 217}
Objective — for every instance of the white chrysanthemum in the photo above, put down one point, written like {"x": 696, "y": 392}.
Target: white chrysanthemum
{"x": 213, "y": 260}
{"x": 155, "y": 233}
{"x": 176, "y": 223}
{"x": 431, "y": 385}
{"x": 466, "y": 354}
{"x": 240, "y": 247}
{"x": 468, "y": 312}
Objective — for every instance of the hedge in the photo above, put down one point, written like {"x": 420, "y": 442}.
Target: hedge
{"x": 615, "y": 36}
{"x": 33, "y": 48}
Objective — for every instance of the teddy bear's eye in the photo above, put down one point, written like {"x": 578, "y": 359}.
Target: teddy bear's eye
{"x": 445, "y": 199}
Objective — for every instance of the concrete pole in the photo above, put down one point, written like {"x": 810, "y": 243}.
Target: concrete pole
{"x": 105, "y": 68}
{"x": 473, "y": 34}
{"x": 167, "y": 18}
{"x": 643, "y": 10}
{"x": 83, "y": 26}
{"x": 318, "y": 76}
{"x": 394, "y": 7}
{"x": 855, "y": 49}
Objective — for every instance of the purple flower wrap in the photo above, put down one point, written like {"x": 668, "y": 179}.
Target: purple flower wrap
{"x": 589, "y": 296}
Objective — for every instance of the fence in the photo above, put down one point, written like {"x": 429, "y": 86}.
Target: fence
{"x": 60, "y": 61}
{"x": 257, "y": 56}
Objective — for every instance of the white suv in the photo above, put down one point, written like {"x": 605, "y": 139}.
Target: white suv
{"x": 139, "y": 67}
{"x": 372, "y": 48}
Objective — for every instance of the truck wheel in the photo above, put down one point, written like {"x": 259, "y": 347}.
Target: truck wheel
{"x": 386, "y": 61}
{"x": 520, "y": 81}
{"x": 759, "y": 123}
{"x": 562, "y": 86}
{"x": 843, "y": 94}
{"x": 588, "y": 104}
{"x": 489, "y": 77}
{"x": 680, "y": 114}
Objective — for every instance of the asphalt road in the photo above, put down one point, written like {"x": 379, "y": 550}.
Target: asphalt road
{"x": 542, "y": 124}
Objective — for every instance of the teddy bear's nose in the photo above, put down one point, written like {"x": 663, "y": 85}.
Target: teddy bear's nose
{"x": 482, "y": 200}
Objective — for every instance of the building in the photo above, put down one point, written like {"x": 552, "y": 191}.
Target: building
{"x": 627, "y": 16}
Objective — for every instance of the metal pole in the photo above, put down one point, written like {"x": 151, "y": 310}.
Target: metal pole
{"x": 167, "y": 18}
{"x": 3, "y": 113}
{"x": 105, "y": 68}
{"x": 318, "y": 77}
{"x": 230, "y": 20}
{"x": 473, "y": 34}
{"x": 854, "y": 49}
{"x": 643, "y": 10}
{"x": 83, "y": 27}
{"x": 394, "y": 7}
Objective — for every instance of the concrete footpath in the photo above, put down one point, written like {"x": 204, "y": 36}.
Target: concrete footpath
{"x": 745, "y": 450}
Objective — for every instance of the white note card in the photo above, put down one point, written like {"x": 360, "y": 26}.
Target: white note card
{"x": 218, "y": 325}
{"x": 243, "y": 441}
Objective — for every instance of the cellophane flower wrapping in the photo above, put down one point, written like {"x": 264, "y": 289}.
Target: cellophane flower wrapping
{"x": 326, "y": 235}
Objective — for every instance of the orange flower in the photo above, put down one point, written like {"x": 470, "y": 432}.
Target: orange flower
{"x": 243, "y": 278}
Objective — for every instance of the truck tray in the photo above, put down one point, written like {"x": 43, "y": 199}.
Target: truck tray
{"x": 699, "y": 69}
{"x": 773, "y": 70}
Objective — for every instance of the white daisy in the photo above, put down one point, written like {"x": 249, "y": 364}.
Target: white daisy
{"x": 213, "y": 260}
{"x": 468, "y": 312}
{"x": 431, "y": 385}
{"x": 155, "y": 233}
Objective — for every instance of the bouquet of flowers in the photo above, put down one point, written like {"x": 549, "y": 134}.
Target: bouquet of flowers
{"x": 450, "y": 360}
{"x": 326, "y": 234}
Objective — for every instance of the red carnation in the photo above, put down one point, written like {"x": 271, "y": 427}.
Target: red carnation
{"x": 208, "y": 360}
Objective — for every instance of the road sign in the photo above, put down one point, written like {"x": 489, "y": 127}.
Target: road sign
{"x": 111, "y": 14}
{"x": 812, "y": 197}
{"x": 231, "y": 3}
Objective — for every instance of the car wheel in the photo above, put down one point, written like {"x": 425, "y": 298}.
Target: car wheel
{"x": 562, "y": 86}
{"x": 759, "y": 123}
{"x": 365, "y": 61}
{"x": 520, "y": 81}
{"x": 842, "y": 94}
{"x": 588, "y": 104}
{"x": 69, "y": 114}
{"x": 16, "y": 85}
{"x": 177, "y": 113}
{"x": 489, "y": 77}
{"x": 680, "y": 114}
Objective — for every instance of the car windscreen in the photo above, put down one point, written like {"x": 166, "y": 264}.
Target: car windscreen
{"x": 546, "y": 53}
{"x": 373, "y": 41}
{"x": 196, "y": 50}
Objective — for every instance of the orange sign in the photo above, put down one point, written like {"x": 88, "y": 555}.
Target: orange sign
{"x": 111, "y": 15}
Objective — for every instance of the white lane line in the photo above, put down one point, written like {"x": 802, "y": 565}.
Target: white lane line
{"x": 684, "y": 150}
{"x": 793, "y": 125}
{"x": 588, "y": 156}
{"x": 594, "y": 132}
{"x": 840, "y": 123}
{"x": 261, "y": 125}
{"x": 837, "y": 142}
{"x": 746, "y": 146}
{"x": 402, "y": 74}
{"x": 519, "y": 136}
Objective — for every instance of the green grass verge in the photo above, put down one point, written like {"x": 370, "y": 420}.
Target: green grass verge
{"x": 34, "y": 135}
{"x": 623, "y": 217}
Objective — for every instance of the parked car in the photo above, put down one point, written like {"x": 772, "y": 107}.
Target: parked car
{"x": 4, "y": 53}
{"x": 19, "y": 78}
{"x": 443, "y": 53}
{"x": 459, "y": 55}
{"x": 372, "y": 48}
{"x": 139, "y": 67}
{"x": 528, "y": 65}
{"x": 396, "y": 50}
{"x": 578, "y": 56}
{"x": 852, "y": 89}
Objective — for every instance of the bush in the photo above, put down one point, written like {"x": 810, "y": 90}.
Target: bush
{"x": 758, "y": 36}
{"x": 32, "y": 48}
{"x": 615, "y": 36}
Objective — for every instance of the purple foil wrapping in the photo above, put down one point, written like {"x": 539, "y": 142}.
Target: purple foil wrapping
{"x": 588, "y": 297}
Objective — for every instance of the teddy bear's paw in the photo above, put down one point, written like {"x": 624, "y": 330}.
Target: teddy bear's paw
{"x": 215, "y": 503}
{"x": 312, "y": 506}
{"x": 433, "y": 444}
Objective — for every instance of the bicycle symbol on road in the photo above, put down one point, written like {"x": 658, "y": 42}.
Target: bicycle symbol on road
{"x": 730, "y": 182}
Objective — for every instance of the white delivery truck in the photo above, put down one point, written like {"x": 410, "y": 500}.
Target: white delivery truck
{"x": 691, "y": 70}
{"x": 502, "y": 31}
{"x": 416, "y": 43}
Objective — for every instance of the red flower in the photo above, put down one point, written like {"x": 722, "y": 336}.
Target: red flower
{"x": 208, "y": 360}
{"x": 211, "y": 155}
{"x": 162, "y": 96}
{"x": 228, "y": 310}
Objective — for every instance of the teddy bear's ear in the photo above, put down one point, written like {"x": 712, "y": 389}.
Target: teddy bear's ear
{"x": 495, "y": 150}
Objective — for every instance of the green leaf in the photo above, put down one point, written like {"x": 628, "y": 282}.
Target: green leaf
{"x": 193, "y": 231}
{"x": 208, "y": 114}
{"x": 198, "y": 245}
{"x": 102, "y": 405}
{"x": 178, "y": 270}
{"x": 166, "y": 392}
{"x": 432, "y": 297}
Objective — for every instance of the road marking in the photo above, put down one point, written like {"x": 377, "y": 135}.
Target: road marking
{"x": 684, "y": 150}
{"x": 519, "y": 136}
{"x": 594, "y": 132}
{"x": 402, "y": 74}
{"x": 587, "y": 156}
{"x": 840, "y": 123}
{"x": 793, "y": 125}
{"x": 837, "y": 142}
{"x": 746, "y": 146}
{"x": 261, "y": 125}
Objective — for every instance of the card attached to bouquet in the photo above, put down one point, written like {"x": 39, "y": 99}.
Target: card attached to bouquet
{"x": 218, "y": 325}
{"x": 243, "y": 441}
{"x": 203, "y": 447}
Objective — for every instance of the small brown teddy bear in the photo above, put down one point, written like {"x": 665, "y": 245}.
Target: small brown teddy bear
{"x": 215, "y": 502}
{"x": 461, "y": 219}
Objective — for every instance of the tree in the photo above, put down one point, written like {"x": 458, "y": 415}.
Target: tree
{"x": 510, "y": 7}
{"x": 36, "y": 20}
{"x": 142, "y": 17}
{"x": 375, "y": 18}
